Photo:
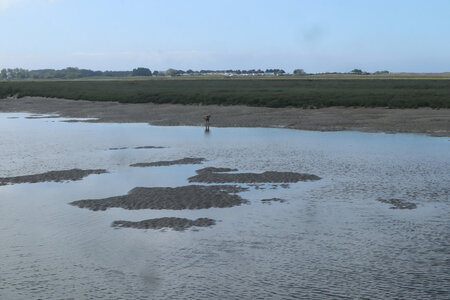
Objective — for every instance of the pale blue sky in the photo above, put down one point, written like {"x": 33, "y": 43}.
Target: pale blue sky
{"x": 316, "y": 35}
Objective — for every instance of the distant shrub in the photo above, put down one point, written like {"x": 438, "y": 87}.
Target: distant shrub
{"x": 253, "y": 92}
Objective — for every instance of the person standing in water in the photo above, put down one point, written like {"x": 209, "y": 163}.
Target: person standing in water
{"x": 206, "y": 118}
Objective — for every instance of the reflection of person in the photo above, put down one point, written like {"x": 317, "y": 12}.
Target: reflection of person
{"x": 206, "y": 118}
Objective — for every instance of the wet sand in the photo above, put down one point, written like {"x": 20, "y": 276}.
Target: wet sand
{"x": 178, "y": 224}
{"x": 184, "y": 197}
{"x": 435, "y": 122}
{"x": 55, "y": 176}
{"x": 183, "y": 161}
{"x": 219, "y": 175}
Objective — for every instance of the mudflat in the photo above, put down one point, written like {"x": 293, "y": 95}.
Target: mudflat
{"x": 220, "y": 175}
{"x": 55, "y": 176}
{"x": 137, "y": 148}
{"x": 183, "y": 161}
{"x": 398, "y": 203}
{"x": 184, "y": 197}
{"x": 178, "y": 224}
{"x": 435, "y": 122}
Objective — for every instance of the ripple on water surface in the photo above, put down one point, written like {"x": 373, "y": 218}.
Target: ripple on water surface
{"x": 330, "y": 238}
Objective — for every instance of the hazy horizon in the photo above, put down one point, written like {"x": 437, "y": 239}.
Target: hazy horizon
{"x": 225, "y": 69}
{"x": 319, "y": 36}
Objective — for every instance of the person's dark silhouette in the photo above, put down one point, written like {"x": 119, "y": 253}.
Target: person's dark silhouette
{"x": 206, "y": 118}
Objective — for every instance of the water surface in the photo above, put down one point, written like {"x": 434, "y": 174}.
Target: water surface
{"x": 331, "y": 239}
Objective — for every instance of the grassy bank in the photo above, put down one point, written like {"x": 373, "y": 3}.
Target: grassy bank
{"x": 271, "y": 92}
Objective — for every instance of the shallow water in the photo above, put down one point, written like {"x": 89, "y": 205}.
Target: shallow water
{"x": 331, "y": 239}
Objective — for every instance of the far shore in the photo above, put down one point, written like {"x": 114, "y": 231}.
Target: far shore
{"x": 433, "y": 122}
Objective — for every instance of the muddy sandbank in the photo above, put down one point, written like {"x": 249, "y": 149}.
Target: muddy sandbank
{"x": 429, "y": 121}
{"x": 178, "y": 224}
{"x": 398, "y": 203}
{"x": 139, "y": 147}
{"x": 221, "y": 175}
{"x": 149, "y": 147}
{"x": 268, "y": 201}
{"x": 55, "y": 176}
{"x": 42, "y": 117}
{"x": 77, "y": 121}
{"x": 184, "y": 197}
{"x": 183, "y": 161}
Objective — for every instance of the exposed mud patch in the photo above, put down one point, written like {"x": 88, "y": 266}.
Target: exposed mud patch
{"x": 219, "y": 175}
{"x": 420, "y": 120}
{"x": 140, "y": 147}
{"x": 257, "y": 186}
{"x": 268, "y": 201}
{"x": 184, "y": 197}
{"x": 42, "y": 117}
{"x": 149, "y": 147}
{"x": 216, "y": 170}
{"x": 398, "y": 203}
{"x": 75, "y": 121}
{"x": 56, "y": 176}
{"x": 178, "y": 224}
{"x": 183, "y": 161}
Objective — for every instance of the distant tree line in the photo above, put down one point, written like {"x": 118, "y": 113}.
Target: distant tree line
{"x": 74, "y": 73}
{"x": 67, "y": 73}
{"x": 354, "y": 72}
{"x": 141, "y": 72}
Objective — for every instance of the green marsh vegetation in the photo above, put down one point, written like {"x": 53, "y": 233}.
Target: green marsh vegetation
{"x": 394, "y": 90}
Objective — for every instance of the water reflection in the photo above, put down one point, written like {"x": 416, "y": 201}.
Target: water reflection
{"x": 330, "y": 239}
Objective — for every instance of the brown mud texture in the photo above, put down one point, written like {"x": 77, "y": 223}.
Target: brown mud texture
{"x": 378, "y": 119}
{"x": 183, "y": 161}
{"x": 222, "y": 175}
{"x": 184, "y": 197}
{"x": 55, "y": 176}
{"x": 178, "y": 224}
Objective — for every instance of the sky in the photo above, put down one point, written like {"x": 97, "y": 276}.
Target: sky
{"x": 314, "y": 35}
